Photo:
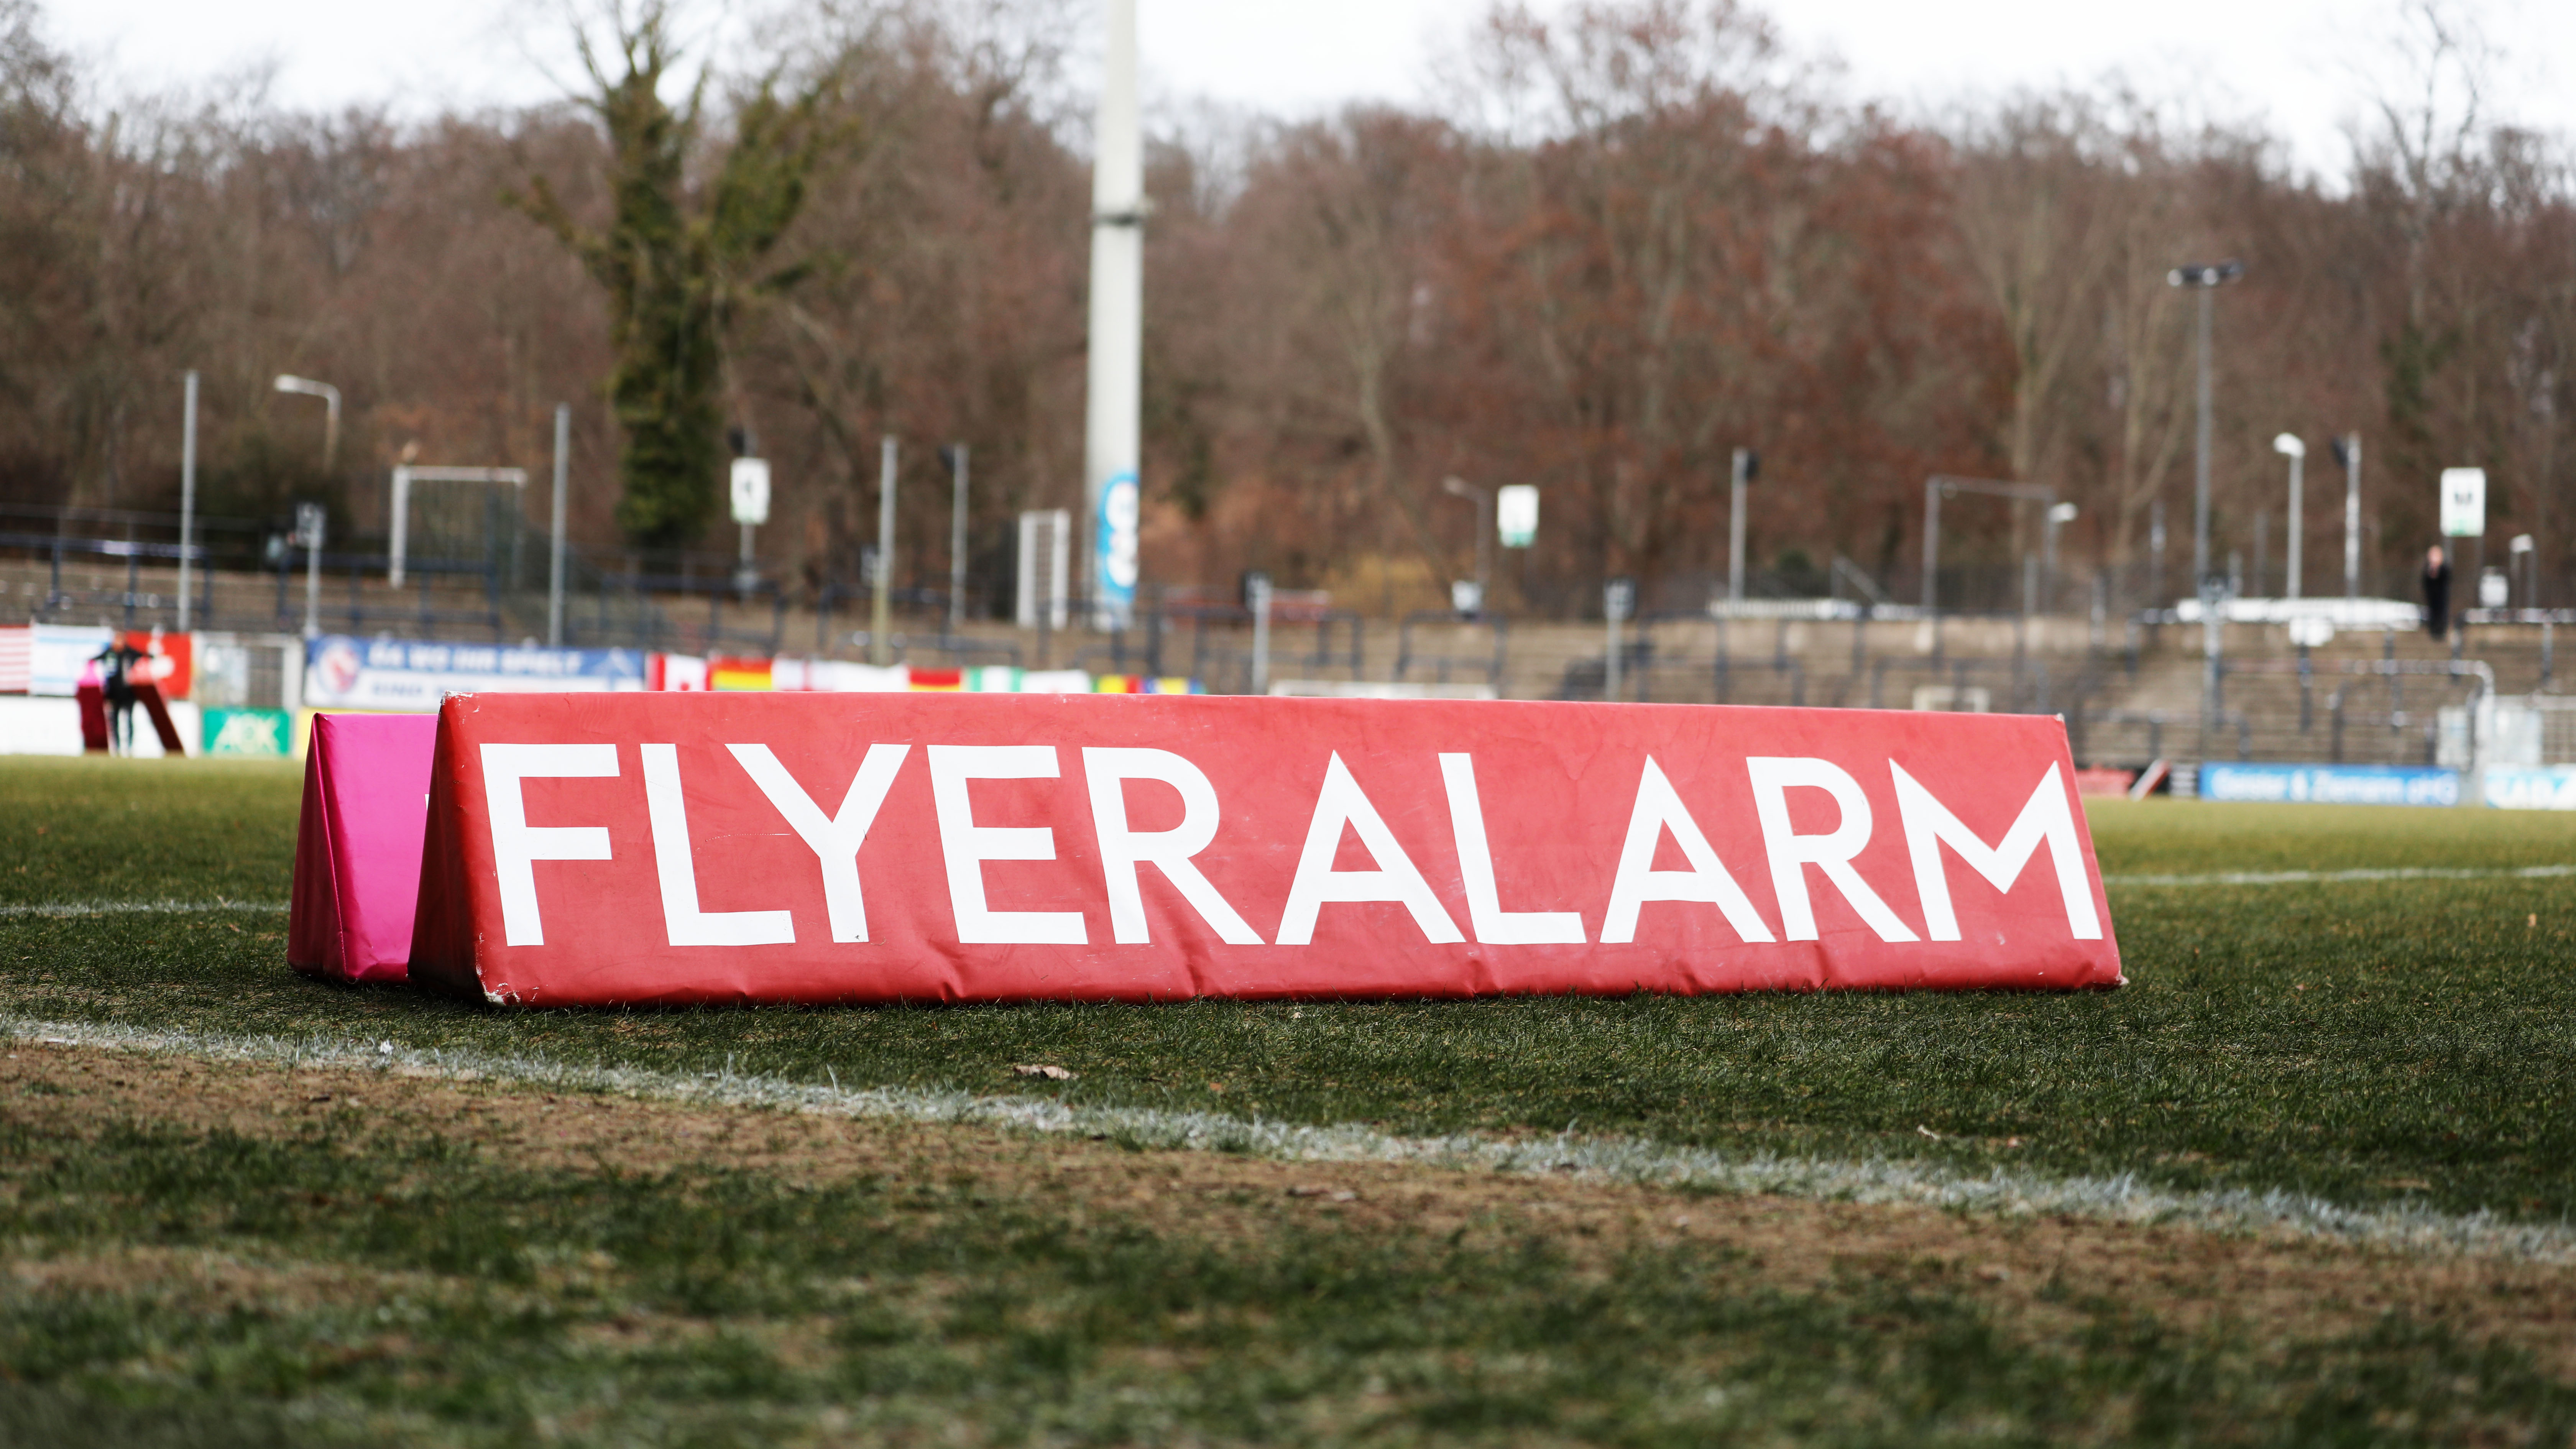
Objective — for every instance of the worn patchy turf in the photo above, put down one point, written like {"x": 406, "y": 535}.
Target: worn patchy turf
{"x": 344, "y": 1255}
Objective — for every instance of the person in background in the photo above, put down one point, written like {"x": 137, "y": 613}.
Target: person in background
{"x": 116, "y": 678}
{"x": 2437, "y": 593}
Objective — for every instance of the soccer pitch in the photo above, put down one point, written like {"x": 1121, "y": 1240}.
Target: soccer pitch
{"x": 2309, "y": 1178}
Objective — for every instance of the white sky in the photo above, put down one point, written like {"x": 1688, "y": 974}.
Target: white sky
{"x": 2296, "y": 62}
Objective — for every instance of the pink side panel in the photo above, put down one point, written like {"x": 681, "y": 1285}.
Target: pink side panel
{"x": 375, "y": 775}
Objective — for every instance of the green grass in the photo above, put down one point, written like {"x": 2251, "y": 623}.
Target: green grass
{"x": 2349, "y": 1040}
{"x": 718, "y": 1307}
{"x": 2362, "y": 1042}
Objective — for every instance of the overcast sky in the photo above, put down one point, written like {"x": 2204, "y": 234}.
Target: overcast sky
{"x": 2297, "y": 63}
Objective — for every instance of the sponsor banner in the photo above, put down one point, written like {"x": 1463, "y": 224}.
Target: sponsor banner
{"x": 2330, "y": 784}
{"x": 407, "y": 675}
{"x": 730, "y": 673}
{"x": 250, "y": 734}
{"x": 59, "y": 655}
{"x": 2531, "y": 787}
{"x": 964, "y": 846}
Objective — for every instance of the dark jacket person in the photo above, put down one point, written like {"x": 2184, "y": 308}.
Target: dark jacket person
{"x": 2437, "y": 592}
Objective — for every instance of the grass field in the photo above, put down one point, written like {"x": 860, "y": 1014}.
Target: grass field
{"x": 203, "y": 1249}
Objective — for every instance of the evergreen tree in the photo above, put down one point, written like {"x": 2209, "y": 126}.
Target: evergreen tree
{"x": 675, "y": 273}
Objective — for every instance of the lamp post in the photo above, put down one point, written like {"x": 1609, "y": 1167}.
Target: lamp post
{"x": 2058, "y": 516}
{"x": 2289, "y": 446}
{"x": 1483, "y": 498}
{"x": 2206, "y": 278}
{"x": 1747, "y": 467}
{"x": 2347, "y": 451}
{"x": 288, "y": 382}
{"x": 555, "y": 542}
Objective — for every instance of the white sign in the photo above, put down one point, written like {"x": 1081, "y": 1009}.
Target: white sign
{"x": 1619, "y": 599}
{"x": 1516, "y": 515}
{"x": 2464, "y": 502}
{"x": 2493, "y": 591}
{"x": 751, "y": 491}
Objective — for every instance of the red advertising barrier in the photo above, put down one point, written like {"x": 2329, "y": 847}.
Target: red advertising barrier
{"x": 358, "y": 846}
{"x": 619, "y": 848}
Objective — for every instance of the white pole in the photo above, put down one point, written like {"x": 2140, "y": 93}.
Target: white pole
{"x": 1261, "y": 635}
{"x": 402, "y": 512}
{"x": 1115, "y": 364}
{"x": 187, "y": 496}
{"x": 555, "y": 552}
{"x": 881, "y": 614}
{"x": 2298, "y": 517}
{"x": 2352, "y": 516}
{"x": 313, "y": 575}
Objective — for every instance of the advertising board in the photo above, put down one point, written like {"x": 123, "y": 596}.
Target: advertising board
{"x": 411, "y": 675}
{"x": 2330, "y": 784}
{"x": 969, "y": 846}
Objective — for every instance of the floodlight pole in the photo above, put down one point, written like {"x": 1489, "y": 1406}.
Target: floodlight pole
{"x": 1114, "y": 363}
{"x": 2206, "y": 279}
{"x": 2351, "y": 451}
{"x": 187, "y": 495}
{"x": 555, "y": 550}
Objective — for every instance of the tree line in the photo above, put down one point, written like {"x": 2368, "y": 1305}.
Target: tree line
{"x": 1626, "y": 241}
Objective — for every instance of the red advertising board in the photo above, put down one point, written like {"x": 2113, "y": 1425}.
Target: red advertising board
{"x": 630, "y": 848}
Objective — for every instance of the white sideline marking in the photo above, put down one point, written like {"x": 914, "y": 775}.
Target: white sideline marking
{"x": 139, "y": 908}
{"x": 2337, "y": 877}
{"x": 2121, "y": 1199}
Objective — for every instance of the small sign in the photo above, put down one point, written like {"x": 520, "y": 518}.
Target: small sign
{"x": 2493, "y": 591}
{"x": 311, "y": 522}
{"x": 1619, "y": 599}
{"x": 1516, "y": 515}
{"x": 2464, "y": 502}
{"x": 751, "y": 491}
{"x": 1467, "y": 596}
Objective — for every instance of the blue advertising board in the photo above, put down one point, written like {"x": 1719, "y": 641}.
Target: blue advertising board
{"x": 407, "y": 674}
{"x": 2330, "y": 784}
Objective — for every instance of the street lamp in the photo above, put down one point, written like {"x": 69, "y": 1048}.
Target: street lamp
{"x": 2206, "y": 278}
{"x": 2058, "y": 516}
{"x": 288, "y": 382}
{"x": 1483, "y": 498}
{"x": 2289, "y": 446}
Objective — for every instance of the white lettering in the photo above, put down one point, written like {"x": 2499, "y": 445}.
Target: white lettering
{"x": 1657, "y": 810}
{"x": 2047, "y": 816}
{"x": 1123, "y": 849}
{"x": 1791, "y": 853}
{"x": 516, "y": 845}
{"x": 835, "y": 840}
{"x": 682, "y": 921}
{"x": 967, "y": 845}
{"x": 1340, "y": 803}
{"x": 1494, "y": 925}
